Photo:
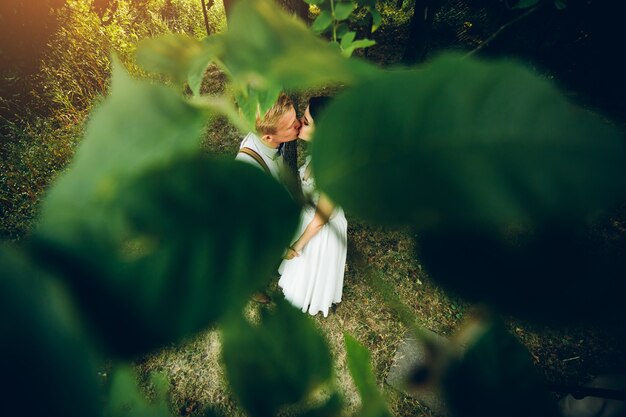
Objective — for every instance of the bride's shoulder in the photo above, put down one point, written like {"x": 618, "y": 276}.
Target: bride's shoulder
{"x": 305, "y": 171}
{"x": 305, "y": 165}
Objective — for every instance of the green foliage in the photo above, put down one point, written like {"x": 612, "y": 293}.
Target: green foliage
{"x": 142, "y": 125}
{"x": 162, "y": 270}
{"x": 280, "y": 38}
{"x": 44, "y": 354}
{"x": 504, "y": 182}
{"x": 322, "y": 22}
{"x": 281, "y": 361}
{"x": 359, "y": 363}
{"x": 484, "y": 145}
{"x": 495, "y": 377}
{"x": 343, "y": 10}
{"x": 156, "y": 242}
{"x": 170, "y": 54}
{"x": 577, "y": 271}
{"x": 333, "y": 17}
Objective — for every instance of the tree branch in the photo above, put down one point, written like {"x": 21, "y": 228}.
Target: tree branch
{"x": 502, "y": 28}
{"x": 205, "y": 10}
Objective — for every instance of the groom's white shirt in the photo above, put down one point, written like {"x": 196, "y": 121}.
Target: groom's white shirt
{"x": 271, "y": 157}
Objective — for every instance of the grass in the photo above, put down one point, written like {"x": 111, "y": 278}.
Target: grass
{"x": 32, "y": 156}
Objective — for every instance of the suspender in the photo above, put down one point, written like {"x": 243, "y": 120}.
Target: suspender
{"x": 252, "y": 153}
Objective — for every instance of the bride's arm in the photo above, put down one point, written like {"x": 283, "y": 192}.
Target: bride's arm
{"x": 323, "y": 211}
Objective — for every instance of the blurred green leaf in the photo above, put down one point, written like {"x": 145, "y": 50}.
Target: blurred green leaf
{"x": 190, "y": 251}
{"x": 171, "y": 54}
{"x": 181, "y": 57}
{"x": 495, "y": 377}
{"x": 314, "y": 2}
{"x": 322, "y": 21}
{"x": 343, "y": 10}
{"x": 280, "y": 40}
{"x": 225, "y": 106}
{"x": 140, "y": 125}
{"x": 557, "y": 274}
{"x": 280, "y": 361}
{"x": 255, "y": 100}
{"x": 211, "y": 47}
{"x": 47, "y": 363}
{"x": 560, "y": 4}
{"x": 359, "y": 364}
{"x": 464, "y": 142}
{"x": 525, "y": 4}
{"x": 127, "y": 400}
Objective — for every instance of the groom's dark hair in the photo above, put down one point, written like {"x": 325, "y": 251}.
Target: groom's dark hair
{"x": 317, "y": 104}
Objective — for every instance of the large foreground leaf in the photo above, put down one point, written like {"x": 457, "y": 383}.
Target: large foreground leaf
{"x": 196, "y": 238}
{"x": 495, "y": 377}
{"x": 360, "y": 366}
{"x": 46, "y": 361}
{"x": 498, "y": 173}
{"x": 278, "y": 362}
{"x": 560, "y": 273}
{"x": 466, "y": 143}
{"x": 181, "y": 57}
{"x": 140, "y": 125}
{"x": 264, "y": 46}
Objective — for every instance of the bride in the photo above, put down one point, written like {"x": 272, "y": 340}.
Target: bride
{"x": 313, "y": 266}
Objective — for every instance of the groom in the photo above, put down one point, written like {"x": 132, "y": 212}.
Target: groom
{"x": 278, "y": 125}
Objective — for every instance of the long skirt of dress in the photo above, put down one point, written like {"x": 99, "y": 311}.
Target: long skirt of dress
{"x": 313, "y": 281}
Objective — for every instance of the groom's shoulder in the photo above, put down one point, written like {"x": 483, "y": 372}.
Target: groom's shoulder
{"x": 249, "y": 141}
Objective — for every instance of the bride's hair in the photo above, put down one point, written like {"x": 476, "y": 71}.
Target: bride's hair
{"x": 317, "y": 104}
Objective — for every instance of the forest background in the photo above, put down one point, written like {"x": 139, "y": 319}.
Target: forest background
{"x": 56, "y": 69}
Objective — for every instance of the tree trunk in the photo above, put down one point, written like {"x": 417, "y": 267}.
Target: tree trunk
{"x": 228, "y": 7}
{"x": 419, "y": 31}
{"x": 205, "y": 10}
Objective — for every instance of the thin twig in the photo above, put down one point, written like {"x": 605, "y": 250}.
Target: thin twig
{"x": 205, "y": 12}
{"x": 487, "y": 41}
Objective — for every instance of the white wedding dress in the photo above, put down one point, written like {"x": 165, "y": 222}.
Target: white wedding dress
{"x": 313, "y": 281}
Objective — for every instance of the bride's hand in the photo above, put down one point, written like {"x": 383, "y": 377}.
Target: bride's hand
{"x": 290, "y": 253}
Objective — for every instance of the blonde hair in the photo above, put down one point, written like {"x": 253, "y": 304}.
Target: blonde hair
{"x": 267, "y": 125}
